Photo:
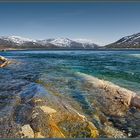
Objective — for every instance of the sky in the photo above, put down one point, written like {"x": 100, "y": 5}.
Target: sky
{"x": 100, "y": 22}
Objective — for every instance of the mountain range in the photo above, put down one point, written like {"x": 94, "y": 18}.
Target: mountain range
{"x": 16, "y": 42}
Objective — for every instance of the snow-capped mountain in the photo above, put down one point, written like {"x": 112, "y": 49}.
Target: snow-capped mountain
{"x": 68, "y": 43}
{"x": 60, "y": 42}
{"x": 19, "y": 42}
{"x": 132, "y": 41}
{"x": 86, "y": 42}
{"x": 16, "y": 41}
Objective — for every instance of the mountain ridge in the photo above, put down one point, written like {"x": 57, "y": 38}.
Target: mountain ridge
{"x": 21, "y": 43}
{"x": 16, "y": 42}
{"x": 130, "y": 41}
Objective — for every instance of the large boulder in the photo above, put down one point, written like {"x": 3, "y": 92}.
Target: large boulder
{"x": 3, "y": 61}
{"x": 113, "y": 99}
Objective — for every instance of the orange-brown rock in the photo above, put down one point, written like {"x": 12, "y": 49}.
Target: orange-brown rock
{"x": 61, "y": 121}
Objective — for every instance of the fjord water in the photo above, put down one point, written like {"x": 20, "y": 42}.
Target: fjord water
{"x": 119, "y": 67}
{"x": 31, "y": 71}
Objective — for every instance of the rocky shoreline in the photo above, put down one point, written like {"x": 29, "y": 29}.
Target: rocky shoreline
{"x": 40, "y": 117}
{"x": 120, "y": 106}
{"x": 36, "y": 110}
{"x": 114, "y": 92}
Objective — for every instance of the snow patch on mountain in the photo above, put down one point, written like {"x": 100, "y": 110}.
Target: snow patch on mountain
{"x": 17, "y": 39}
{"x": 84, "y": 41}
{"x": 129, "y": 39}
{"x": 62, "y": 42}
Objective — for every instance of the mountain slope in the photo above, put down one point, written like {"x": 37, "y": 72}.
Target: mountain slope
{"x": 132, "y": 41}
{"x": 17, "y": 40}
{"x": 21, "y": 43}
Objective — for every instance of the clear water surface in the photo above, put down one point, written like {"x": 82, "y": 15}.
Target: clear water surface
{"x": 119, "y": 67}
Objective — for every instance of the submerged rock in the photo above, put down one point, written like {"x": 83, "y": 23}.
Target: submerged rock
{"x": 27, "y": 132}
{"x": 120, "y": 107}
{"x": 57, "y": 119}
{"x": 113, "y": 100}
{"x": 35, "y": 112}
{"x": 129, "y": 124}
{"x": 113, "y": 133}
{"x": 135, "y": 101}
{"x": 48, "y": 110}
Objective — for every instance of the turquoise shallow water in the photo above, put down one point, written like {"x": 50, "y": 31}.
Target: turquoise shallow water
{"x": 45, "y": 73}
{"x": 119, "y": 67}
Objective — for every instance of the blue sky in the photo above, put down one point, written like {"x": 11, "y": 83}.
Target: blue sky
{"x": 101, "y": 22}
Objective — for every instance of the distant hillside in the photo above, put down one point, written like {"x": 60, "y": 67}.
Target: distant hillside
{"x": 15, "y": 42}
{"x": 132, "y": 41}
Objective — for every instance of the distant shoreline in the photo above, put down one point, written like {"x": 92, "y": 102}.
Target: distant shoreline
{"x": 42, "y": 49}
